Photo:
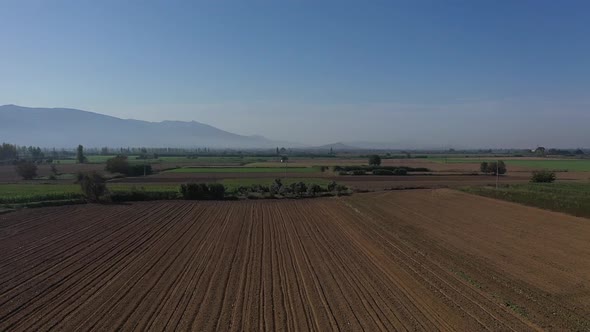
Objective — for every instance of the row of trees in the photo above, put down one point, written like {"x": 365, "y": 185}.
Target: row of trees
{"x": 10, "y": 152}
{"x": 542, "y": 152}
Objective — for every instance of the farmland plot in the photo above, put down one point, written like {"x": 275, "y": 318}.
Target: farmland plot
{"x": 391, "y": 261}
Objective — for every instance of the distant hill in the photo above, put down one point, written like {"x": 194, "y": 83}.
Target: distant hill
{"x": 64, "y": 127}
{"x": 336, "y": 147}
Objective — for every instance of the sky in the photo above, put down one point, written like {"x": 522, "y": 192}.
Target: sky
{"x": 409, "y": 73}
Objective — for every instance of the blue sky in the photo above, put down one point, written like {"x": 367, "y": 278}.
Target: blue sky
{"x": 420, "y": 73}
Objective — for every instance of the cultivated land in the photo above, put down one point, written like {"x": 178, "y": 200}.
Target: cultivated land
{"x": 582, "y": 165}
{"x": 243, "y": 170}
{"x": 411, "y": 260}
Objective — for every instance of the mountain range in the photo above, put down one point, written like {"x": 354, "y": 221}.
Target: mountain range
{"x": 66, "y": 128}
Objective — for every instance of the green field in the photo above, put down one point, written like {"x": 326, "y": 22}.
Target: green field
{"x": 571, "y": 198}
{"x": 232, "y": 184}
{"x": 551, "y": 164}
{"x": 243, "y": 170}
{"x": 24, "y": 193}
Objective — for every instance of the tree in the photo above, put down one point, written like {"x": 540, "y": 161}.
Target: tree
{"x": 493, "y": 167}
{"x": 284, "y": 159}
{"x": 483, "y": 167}
{"x": 314, "y": 189}
{"x": 331, "y": 150}
{"x": 579, "y": 152}
{"x": 26, "y": 169}
{"x": 80, "y": 157}
{"x": 375, "y": 160}
{"x": 501, "y": 167}
{"x": 192, "y": 191}
{"x": 540, "y": 151}
{"x": 93, "y": 186}
{"x": 8, "y": 152}
{"x": 104, "y": 151}
{"x": 35, "y": 153}
{"x": 543, "y": 177}
{"x": 118, "y": 164}
{"x": 54, "y": 170}
{"x": 276, "y": 186}
{"x": 332, "y": 186}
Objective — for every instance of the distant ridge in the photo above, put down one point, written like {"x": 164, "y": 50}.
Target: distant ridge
{"x": 65, "y": 128}
{"x": 337, "y": 147}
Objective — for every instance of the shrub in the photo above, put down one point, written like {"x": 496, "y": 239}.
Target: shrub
{"x": 202, "y": 191}
{"x": 142, "y": 195}
{"x": 483, "y": 167}
{"x": 314, "y": 189}
{"x": 276, "y": 186}
{"x": 375, "y": 160}
{"x": 332, "y": 186}
{"x": 93, "y": 186}
{"x": 543, "y": 177}
{"x": 400, "y": 171}
{"x": 382, "y": 172}
{"x": 216, "y": 190}
{"x": 341, "y": 189}
{"x": 492, "y": 167}
{"x": 139, "y": 170}
{"x": 26, "y": 169}
{"x": 359, "y": 172}
{"x": 119, "y": 164}
{"x": 54, "y": 170}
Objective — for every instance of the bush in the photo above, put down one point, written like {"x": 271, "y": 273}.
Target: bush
{"x": 375, "y": 160}
{"x": 543, "y": 177}
{"x": 26, "y": 169}
{"x": 492, "y": 167}
{"x": 93, "y": 186}
{"x": 314, "y": 189}
{"x": 400, "y": 171}
{"x": 332, "y": 186}
{"x": 382, "y": 172}
{"x": 216, "y": 191}
{"x": 139, "y": 170}
{"x": 119, "y": 164}
{"x": 202, "y": 191}
{"x": 359, "y": 172}
{"x": 276, "y": 187}
{"x": 135, "y": 195}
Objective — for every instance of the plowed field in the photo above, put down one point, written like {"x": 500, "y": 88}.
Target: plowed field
{"x": 415, "y": 260}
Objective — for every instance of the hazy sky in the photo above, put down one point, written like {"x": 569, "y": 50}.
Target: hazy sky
{"x": 457, "y": 73}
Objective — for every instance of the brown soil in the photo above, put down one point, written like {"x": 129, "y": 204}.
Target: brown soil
{"x": 377, "y": 183}
{"x": 415, "y": 260}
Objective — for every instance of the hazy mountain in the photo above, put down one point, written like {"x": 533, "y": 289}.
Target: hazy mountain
{"x": 63, "y": 127}
{"x": 337, "y": 147}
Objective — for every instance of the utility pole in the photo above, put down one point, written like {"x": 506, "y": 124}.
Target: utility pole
{"x": 497, "y": 173}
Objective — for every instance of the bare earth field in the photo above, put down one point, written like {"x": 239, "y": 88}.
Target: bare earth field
{"x": 413, "y": 260}
{"x": 378, "y": 183}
